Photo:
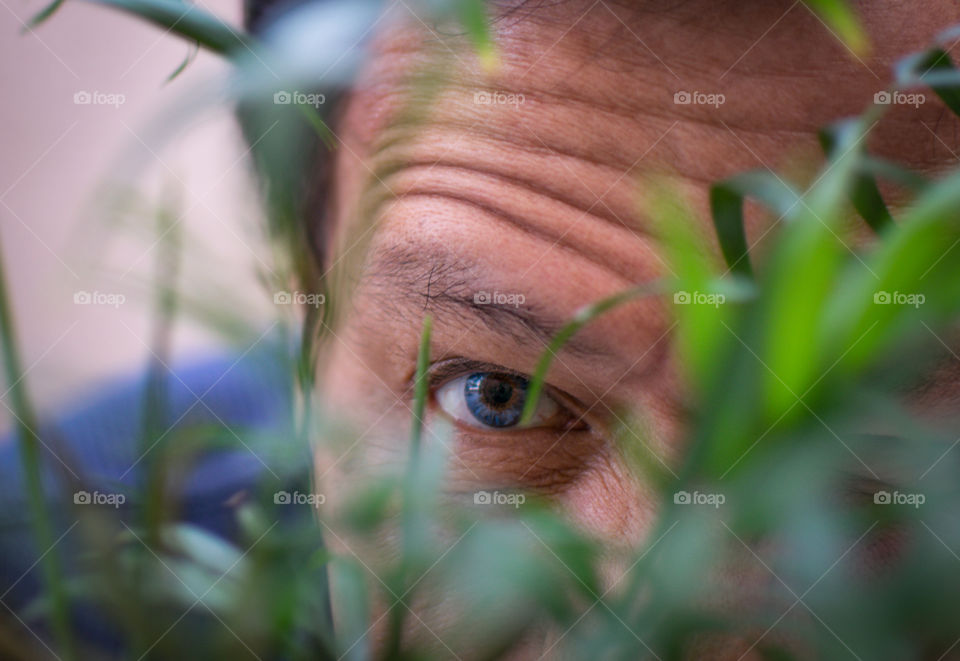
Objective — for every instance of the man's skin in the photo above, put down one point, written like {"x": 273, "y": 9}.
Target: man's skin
{"x": 545, "y": 198}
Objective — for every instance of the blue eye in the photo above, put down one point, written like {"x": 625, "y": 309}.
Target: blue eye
{"x": 495, "y": 399}
{"x": 491, "y": 400}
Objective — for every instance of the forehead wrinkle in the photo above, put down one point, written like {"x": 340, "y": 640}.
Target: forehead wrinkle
{"x": 436, "y": 281}
{"x": 598, "y": 206}
{"x": 544, "y": 187}
{"x": 565, "y": 242}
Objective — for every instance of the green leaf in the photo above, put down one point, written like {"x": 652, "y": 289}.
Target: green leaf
{"x": 726, "y": 207}
{"x": 194, "y": 48}
{"x": 877, "y": 167}
{"x": 914, "y": 260}
{"x": 315, "y": 119}
{"x": 803, "y": 271}
{"x": 842, "y": 20}
{"x": 421, "y": 387}
{"x": 935, "y": 69}
{"x": 189, "y": 22}
{"x": 473, "y": 16}
{"x": 42, "y": 15}
{"x": 348, "y": 581}
{"x": 203, "y": 547}
{"x": 699, "y": 307}
{"x": 580, "y": 319}
{"x": 864, "y": 193}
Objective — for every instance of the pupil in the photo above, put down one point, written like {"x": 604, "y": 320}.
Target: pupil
{"x": 497, "y": 392}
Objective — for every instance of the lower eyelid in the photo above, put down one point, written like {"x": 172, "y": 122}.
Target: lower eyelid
{"x": 530, "y": 458}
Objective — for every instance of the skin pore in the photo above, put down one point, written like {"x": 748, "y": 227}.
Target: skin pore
{"x": 539, "y": 195}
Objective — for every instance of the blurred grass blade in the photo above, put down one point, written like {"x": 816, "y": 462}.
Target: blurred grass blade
{"x": 188, "y": 21}
{"x": 26, "y": 423}
{"x": 700, "y": 293}
{"x": 421, "y": 387}
{"x": 842, "y": 20}
{"x": 473, "y": 16}
{"x": 155, "y": 394}
{"x": 580, "y": 319}
{"x": 864, "y": 193}
{"x": 803, "y": 272}
{"x": 353, "y": 603}
{"x": 726, "y": 207}
{"x": 935, "y": 69}
{"x": 315, "y": 120}
{"x": 194, "y": 48}
{"x": 915, "y": 260}
{"x": 42, "y": 15}
{"x": 878, "y": 167}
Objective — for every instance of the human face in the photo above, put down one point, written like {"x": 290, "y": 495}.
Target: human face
{"x": 538, "y": 196}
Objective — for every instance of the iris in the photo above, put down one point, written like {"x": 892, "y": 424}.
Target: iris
{"x": 494, "y": 398}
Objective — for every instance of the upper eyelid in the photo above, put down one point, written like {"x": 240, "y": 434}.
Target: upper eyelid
{"x": 446, "y": 369}
{"x": 450, "y": 368}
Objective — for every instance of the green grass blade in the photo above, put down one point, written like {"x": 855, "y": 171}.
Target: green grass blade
{"x": 878, "y": 167}
{"x": 194, "y": 48}
{"x": 580, "y": 319}
{"x": 315, "y": 120}
{"x": 26, "y": 423}
{"x": 864, "y": 193}
{"x": 935, "y": 69}
{"x": 473, "y": 16}
{"x": 915, "y": 259}
{"x": 842, "y": 20}
{"x": 188, "y": 21}
{"x": 803, "y": 272}
{"x": 42, "y": 15}
{"x": 726, "y": 207}
{"x": 421, "y": 387}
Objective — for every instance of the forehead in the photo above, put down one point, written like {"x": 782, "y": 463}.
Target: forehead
{"x": 531, "y": 172}
{"x": 588, "y": 95}
{"x": 601, "y": 80}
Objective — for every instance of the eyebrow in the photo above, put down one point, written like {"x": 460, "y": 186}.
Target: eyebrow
{"x": 432, "y": 279}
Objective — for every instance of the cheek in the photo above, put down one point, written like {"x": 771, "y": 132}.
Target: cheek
{"x": 609, "y": 502}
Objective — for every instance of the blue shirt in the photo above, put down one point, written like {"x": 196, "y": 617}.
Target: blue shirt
{"x": 240, "y": 408}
